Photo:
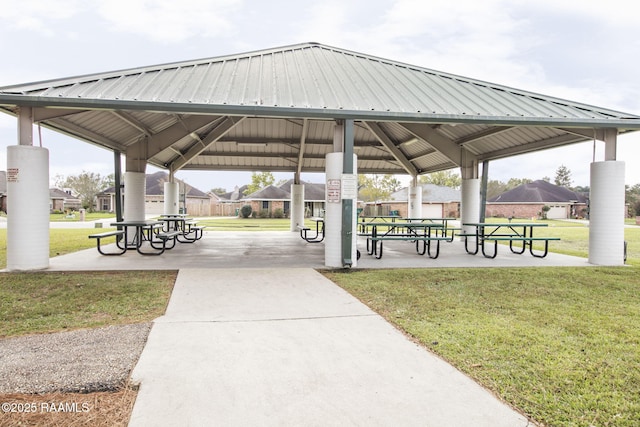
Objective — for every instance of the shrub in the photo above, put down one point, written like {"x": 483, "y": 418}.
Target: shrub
{"x": 245, "y": 211}
{"x": 264, "y": 213}
{"x": 278, "y": 213}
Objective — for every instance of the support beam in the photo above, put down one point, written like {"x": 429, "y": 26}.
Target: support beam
{"x": 553, "y": 142}
{"x": 438, "y": 141}
{"x": 132, "y": 121}
{"x": 610, "y": 144}
{"x": 183, "y": 127}
{"x": 137, "y": 156}
{"x": 25, "y": 126}
{"x": 483, "y": 190}
{"x": 303, "y": 138}
{"x": 348, "y": 226}
{"x": 391, "y": 147}
{"x": 478, "y": 136}
{"x": 215, "y": 134}
{"x": 117, "y": 173}
{"x": 468, "y": 165}
{"x": 42, "y": 114}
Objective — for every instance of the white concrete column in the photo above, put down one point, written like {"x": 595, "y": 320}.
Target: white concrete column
{"x": 297, "y": 206}
{"x": 134, "y": 197}
{"x": 134, "y": 194}
{"x": 27, "y": 208}
{"x": 470, "y": 206}
{"x": 606, "y": 213}
{"x": 415, "y": 202}
{"x": 171, "y": 197}
{"x": 333, "y": 211}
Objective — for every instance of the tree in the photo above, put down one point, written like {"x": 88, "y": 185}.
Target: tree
{"x": 218, "y": 190}
{"x": 86, "y": 186}
{"x": 563, "y": 177}
{"x": 495, "y": 188}
{"x": 259, "y": 180}
{"x": 517, "y": 182}
{"x": 443, "y": 178}
{"x": 632, "y": 199}
{"x": 377, "y": 187}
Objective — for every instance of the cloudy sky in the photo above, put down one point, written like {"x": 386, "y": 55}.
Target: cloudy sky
{"x": 582, "y": 50}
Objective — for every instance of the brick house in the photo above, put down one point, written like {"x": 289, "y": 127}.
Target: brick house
{"x": 528, "y": 200}
{"x": 437, "y": 202}
{"x": 61, "y": 201}
{"x": 272, "y": 198}
{"x": 196, "y": 202}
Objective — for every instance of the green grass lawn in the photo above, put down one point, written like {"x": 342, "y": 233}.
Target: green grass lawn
{"x": 560, "y": 344}
{"x": 49, "y": 302}
{"x": 88, "y": 216}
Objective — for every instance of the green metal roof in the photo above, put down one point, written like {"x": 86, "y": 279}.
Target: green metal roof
{"x": 274, "y": 110}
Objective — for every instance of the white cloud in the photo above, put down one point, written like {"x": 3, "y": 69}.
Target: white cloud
{"x": 170, "y": 21}
{"x": 38, "y": 15}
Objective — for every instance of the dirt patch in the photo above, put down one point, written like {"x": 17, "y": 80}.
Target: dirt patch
{"x": 67, "y": 409}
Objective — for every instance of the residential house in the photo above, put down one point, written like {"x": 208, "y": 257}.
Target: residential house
{"x": 191, "y": 200}
{"x": 437, "y": 202}
{"x": 63, "y": 200}
{"x": 528, "y": 200}
{"x": 228, "y": 204}
{"x": 272, "y": 198}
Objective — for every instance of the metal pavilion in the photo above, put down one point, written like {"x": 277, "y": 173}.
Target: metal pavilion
{"x": 307, "y": 108}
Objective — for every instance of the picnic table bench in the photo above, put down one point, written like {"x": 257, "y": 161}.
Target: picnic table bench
{"x": 422, "y": 233}
{"x": 119, "y": 234}
{"x": 189, "y": 230}
{"x": 145, "y": 231}
{"x": 505, "y": 232}
{"x": 318, "y": 237}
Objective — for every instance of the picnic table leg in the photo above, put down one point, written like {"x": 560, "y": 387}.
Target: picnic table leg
{"x": 544, "y": 254}
{"x": 120, "y": 239}
{"x": 424, "y": 247}
{"x": 437, "y": 250}
{"x": 495, "y": 249}
{"x": 521, "y": 250}
{"x": 370, "y": 249}
{"x": 374, "y": 243}
{"x": 466, "y": 247}
{"x": 378, "y": 253}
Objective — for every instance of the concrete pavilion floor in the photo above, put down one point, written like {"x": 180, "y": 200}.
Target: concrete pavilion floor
{"x": 277, "y": 249}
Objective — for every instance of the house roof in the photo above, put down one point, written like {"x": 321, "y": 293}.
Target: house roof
{"x": 275, "y": 110}
{"x": 56, "y": 193}
{"x": 236, "y": 194}
{"x": 283, "y": 192}
{"x": 431, "y": 193}
{"x": 312, "y": 190}
{"x": 539, "y": 192}
{"x": 154, "y": 186}
{"x": 270, "y": 192}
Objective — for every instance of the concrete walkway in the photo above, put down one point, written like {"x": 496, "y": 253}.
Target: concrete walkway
{"x": 287, "y": 347}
